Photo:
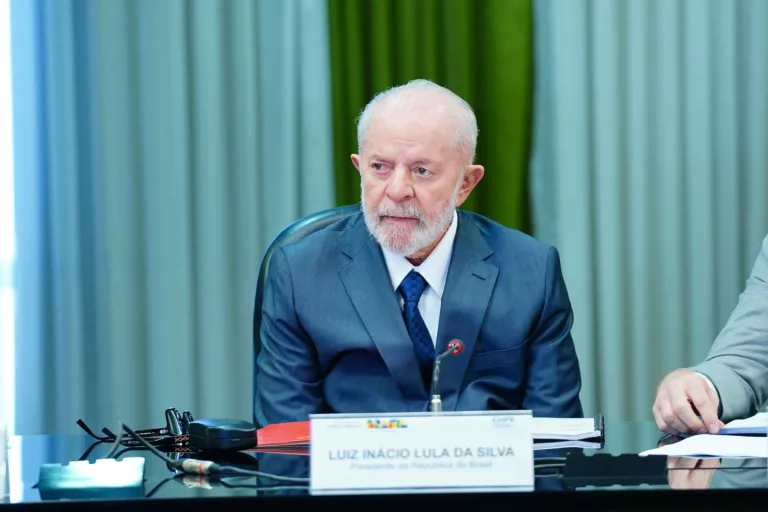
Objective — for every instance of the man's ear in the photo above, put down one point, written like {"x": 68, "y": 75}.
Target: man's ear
{"x": 472, "y": 177}
{"x": 356, "y": 162}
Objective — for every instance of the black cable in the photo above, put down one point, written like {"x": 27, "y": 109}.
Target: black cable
{"x": 231, "y": 470}
{"x": 87, "y": 452}
{"x": 116, "y": 445}
{"x": 146, "y": 444}
{"x": 224, "y": 483}
{"x": 158, "y": 486}
{"x": 205, "y": 467}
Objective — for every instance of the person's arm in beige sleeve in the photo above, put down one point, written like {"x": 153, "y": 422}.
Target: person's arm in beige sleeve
{"x": 737, "y": 364}
{"x": 736, "y": 367}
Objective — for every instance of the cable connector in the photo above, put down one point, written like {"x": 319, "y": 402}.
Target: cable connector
{"x": 200, "y": 467}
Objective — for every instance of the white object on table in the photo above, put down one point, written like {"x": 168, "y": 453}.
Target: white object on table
{"x": 757, "y": 424}
{"x": 566, "y": 429}
{"x": 705, "y": 446}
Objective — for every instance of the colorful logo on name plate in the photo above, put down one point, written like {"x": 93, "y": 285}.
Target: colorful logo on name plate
{"x": 395, "y": 423}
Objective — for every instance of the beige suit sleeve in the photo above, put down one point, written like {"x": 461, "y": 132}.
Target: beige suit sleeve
{"x": 737, "y": 363}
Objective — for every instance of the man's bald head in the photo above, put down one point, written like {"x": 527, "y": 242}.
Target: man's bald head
{"x": 425, "y": 96}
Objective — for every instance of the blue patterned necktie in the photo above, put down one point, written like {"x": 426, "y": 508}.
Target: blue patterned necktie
{"x": 411, "y": 289}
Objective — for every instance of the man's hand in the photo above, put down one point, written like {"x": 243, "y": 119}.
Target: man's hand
{"x": 689, "y": 473}
{"x": 669, "y": 440}
{"x": 686, "y": 404}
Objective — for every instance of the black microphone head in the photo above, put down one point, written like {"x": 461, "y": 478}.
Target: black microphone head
{"x": 456, "y": 347}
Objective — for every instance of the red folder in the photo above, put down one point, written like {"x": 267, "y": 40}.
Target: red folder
{"x": 288, "y": 438}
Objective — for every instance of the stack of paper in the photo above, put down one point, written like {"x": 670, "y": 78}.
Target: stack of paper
{"x": 558, "y": 445}
{"x": 745, "y": 438}
{"x": 756, "y": 425}
{"x": 556, "y": 433}
{"x": 714, "y": 446}
{"x": 565, "y": 429}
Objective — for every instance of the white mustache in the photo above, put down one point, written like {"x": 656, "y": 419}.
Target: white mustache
{"x": 407, "y": 210}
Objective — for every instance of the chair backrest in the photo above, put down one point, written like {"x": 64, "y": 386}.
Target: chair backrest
{"x": 294, "y": 231}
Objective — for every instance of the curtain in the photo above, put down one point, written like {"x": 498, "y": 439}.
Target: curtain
{"x": 650, "y": 174}
{"x": 160, "y": 146}
{"x": 480, "y": 49}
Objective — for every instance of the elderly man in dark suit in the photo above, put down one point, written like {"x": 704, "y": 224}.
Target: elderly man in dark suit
{"x": 354, "y": 314}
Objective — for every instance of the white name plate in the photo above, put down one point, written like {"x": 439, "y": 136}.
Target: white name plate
{"x": 421, "y": 452}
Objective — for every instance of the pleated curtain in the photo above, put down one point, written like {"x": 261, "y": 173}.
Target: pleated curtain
{"x": 650, "y": 175}
{"x": 160, "y": 145}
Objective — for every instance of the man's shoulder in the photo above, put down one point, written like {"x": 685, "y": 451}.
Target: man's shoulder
{"x": 503, "y": 239}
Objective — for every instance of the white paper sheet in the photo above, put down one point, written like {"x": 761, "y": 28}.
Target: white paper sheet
{"x": 564, "y": 428}
{"x": 557, "y": 445}
{"x": 757, "y": 424}
{"x": 714, "y": 446}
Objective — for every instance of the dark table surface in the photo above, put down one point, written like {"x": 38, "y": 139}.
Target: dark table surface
{"x": 570, "y": 477}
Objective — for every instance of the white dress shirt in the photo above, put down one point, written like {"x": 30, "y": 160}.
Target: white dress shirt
{"x": 709, "y": 382}
{"x": 434, "y": 270}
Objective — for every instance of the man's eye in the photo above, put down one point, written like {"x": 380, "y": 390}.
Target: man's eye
{"x": 377, "y": 166}
{"x": 422, "y": 171}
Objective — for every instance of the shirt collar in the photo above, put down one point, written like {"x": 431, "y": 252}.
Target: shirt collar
{"x": 434, "y": 269}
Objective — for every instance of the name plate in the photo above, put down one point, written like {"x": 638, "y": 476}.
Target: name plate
{"x": 421, "y": 452}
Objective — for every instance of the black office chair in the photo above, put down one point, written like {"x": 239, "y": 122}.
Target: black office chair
{"x": 295, "y": 231}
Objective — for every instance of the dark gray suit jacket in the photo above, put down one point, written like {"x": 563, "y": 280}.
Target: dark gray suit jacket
{"x": 737, "y": 363}
{"x": 334, "y": 340}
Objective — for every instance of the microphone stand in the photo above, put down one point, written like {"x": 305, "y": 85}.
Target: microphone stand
{"x": 436, "y": 403}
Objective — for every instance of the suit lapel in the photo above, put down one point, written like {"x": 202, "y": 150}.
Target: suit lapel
{"x": 465, "y": 299}
{"x": 366, "y": 279}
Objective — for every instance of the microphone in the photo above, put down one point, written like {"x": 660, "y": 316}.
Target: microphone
{"x": 455, "y": 347}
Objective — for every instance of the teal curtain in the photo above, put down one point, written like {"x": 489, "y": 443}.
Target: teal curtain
{"x": 160, "y": 146}
{"x": 650, "y": 175}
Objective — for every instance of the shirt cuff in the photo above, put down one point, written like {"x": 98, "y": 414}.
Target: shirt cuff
{"x": 713, "y": 388}
{"x": 709, "y": 382}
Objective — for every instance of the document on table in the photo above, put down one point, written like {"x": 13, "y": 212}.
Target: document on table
{"x": 714, "y": 446}
{"x": 567, "y": 429}
{"x": 557, "y": 445}
{"x": 756, "y": 425}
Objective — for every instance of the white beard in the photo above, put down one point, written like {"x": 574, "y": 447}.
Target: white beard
{"x": 405, "y": 240}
